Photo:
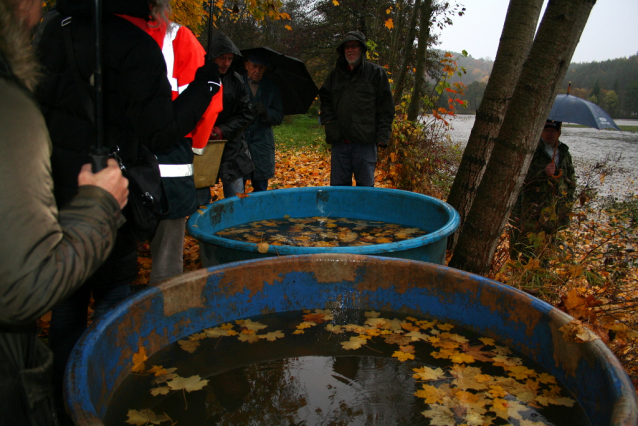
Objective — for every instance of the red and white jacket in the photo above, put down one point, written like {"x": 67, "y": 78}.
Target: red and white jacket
{"x": 183, "y": 55}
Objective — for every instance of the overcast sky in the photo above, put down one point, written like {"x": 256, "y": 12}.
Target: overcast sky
{"x": 611, "y": 30}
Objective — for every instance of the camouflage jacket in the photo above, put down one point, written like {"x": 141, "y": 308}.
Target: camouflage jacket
{"x": 545, "y": 202}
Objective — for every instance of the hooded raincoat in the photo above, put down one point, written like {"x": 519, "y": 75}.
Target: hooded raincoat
{"x": 236, "y": 115}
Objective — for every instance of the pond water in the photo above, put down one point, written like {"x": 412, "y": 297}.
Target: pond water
{"x": 587, "y": 147}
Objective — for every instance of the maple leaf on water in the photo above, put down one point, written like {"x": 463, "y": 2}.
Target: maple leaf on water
{"x": 145, "y": 417}
{"x": 272, "y": 336}
{"x": 445, "y": 327}
{"x": 478, "y": 354}
{"x": 402, "y": 356}
{"x": 355, "y": 342}
{"x": 497, "y": 391}
{"x": 409, "y": 326}
{"x": 427, "y": 373}
{"x": 250, "y": 325}
{"x": 461, "y": 358}
{"x": 487, "y": 341}
{"x": 376, "y": 322}
{"x": 546, "y": 378}
{"x": 336, "y": 329}
{"x": 397, "y": 339}
{"x": 316, "y": 318}
{"x": 139, "y": 359}
{"x": 188, "y": 345}
{"x": 439, "y": 415}
{"x": 189, "y": 384}
{"x": 250, "y": 338}
{"x": 431, "y": 394}
{"x": 216, "y": 332}
{"x": 467, "y": 397}
{"x": 520, "y": 372}
{"x": 170, "y": 374}
{"x": 407, "y": 349}
{"x": 163, "y": 390}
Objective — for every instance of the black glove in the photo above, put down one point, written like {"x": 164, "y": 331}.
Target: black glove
{"x": 209, "y": 73}
{"x": 260, "y": 109}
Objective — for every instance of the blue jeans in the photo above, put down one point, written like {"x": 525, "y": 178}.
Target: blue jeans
{"x": 110, "y": 284}
{"x": 259, "y": 185}
{"x": 356, "y": 159}
{"x": 233, "y": 187}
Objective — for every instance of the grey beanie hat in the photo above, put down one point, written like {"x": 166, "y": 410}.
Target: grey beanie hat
{"x": 356, "y": 36}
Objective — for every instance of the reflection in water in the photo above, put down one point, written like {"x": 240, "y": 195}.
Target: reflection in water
{"x": 316, "y": 390}
{"x": 587, "y": 146}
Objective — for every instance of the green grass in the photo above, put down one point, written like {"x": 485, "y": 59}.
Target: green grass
{"x": 632, "y": 129}
{"x": 298, "y": 131}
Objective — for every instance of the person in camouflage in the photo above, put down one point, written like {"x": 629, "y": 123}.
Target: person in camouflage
{"x": 547, "y": 196}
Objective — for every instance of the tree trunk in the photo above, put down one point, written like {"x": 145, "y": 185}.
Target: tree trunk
{"x": 533, "y": 97}
{"x": 419, "y": 78}
{"x": 407, "y": 53}
{"x": 516, "y": 40}
{"x": 398, "y": 29}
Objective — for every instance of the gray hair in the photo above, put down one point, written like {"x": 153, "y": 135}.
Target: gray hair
{"x": 160, "y": 9}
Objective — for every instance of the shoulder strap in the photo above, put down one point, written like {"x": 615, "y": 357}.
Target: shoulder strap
{"x": 85, "y": 96}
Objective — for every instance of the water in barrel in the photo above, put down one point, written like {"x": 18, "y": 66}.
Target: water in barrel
{"x": 341, "y": 367}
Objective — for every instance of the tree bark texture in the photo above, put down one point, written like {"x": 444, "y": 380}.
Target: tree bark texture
{"x": 531, "y": 102}
{"x": 407, "y": 53}
{"x": 516, "y": 40}
{"x": 398, "y": 29}
{"x": 419, "y": 78}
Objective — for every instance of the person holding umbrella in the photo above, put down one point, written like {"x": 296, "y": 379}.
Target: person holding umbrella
{"x": 47, "y": 250}
{"x": 138, "y": 110}
{"x": 231, "y": 121}
{"x": 268, "y": 110}
{"x": 547, "y": 195}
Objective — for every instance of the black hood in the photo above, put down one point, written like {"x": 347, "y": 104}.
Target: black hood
{"x": 353, "y": 36}
{"x": 84, "y": 8}
{"x": 220, "y": 45}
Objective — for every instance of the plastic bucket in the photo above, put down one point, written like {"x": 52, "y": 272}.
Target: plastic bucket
{"x": 388, "y": 205}
{"x": 176, "y": 308}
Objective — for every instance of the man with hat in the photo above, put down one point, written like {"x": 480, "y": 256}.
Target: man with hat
{"x": 268, "y": 111}
{"x": 547, "y": 196}
{"x": 357, "y": 109}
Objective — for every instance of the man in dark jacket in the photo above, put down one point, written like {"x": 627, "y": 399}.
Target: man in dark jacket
{"x": 138, "y": 109}
{"x": 231, "y": 122}
{"x": 547, "y": 195}
{"x": 46, "y": 252}
{"x": 269, "y": 111}
{"x": 357, "y": 109}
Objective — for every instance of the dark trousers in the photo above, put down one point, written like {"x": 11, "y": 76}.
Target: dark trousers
{"x": 350, "y": 159}
{"x": 109, "y": 285}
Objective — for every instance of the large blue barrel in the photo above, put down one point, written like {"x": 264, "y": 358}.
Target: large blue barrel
{"x": 377, "y": 204}
{"x": 178, "y": 307}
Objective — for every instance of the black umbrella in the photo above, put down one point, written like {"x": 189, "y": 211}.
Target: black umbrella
{"x": 572, "y": 109}
{"x": 298, "y": 90}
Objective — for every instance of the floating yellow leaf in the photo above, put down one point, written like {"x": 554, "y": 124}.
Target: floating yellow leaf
{"x": 189, "y": 384}
{"x": 355, "y": 342}
{"x": 250, "y": 338}
{"x": 272, "y": 336}
{"x": 431, "y": 394}
{"x": 138, "y": 360}
{"x": 426, "y": 373}
{"x": 250, "y": 325}
{"x": 263, "y": 247}
{"x": 402, "y": 356}
{"x": 158, "y": 370}
{"x": 188, "y": 345}
{"x": 145, "y": 417}
{"x": 164, "y": 390}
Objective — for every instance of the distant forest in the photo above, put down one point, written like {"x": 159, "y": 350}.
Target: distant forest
{"x": 611, "y": 84}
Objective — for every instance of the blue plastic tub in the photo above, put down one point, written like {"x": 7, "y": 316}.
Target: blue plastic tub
{"x": 176, "y": 308}
{"x": 388, "y": 205}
